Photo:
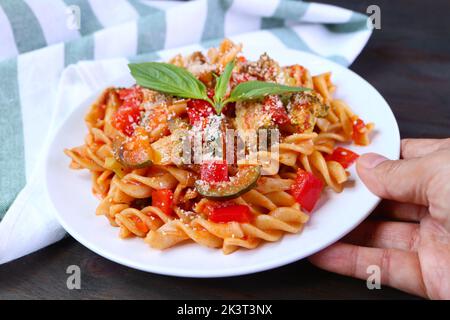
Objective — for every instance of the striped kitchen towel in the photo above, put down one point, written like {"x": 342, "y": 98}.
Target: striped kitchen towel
{"x": 42, "y": 42}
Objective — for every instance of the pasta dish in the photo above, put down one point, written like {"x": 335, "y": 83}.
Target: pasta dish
{"x": 216, "y": 149}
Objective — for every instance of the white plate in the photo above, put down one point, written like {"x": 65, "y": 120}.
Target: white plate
{"x": 335, "y": 216}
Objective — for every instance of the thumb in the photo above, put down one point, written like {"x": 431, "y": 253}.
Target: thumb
{"x": 400, "y": 180}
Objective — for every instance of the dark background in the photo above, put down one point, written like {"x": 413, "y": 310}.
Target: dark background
{"x": 408, "y": 61}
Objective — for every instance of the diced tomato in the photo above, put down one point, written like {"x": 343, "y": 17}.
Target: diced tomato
{"x": 306, "y": 189}
{"x": 344, "y": 156}
{"x": 359, "y": 132}
{"x": 198, "y": 110}
{"x": 126, "y": 118}
{"x": 140, "y": 225}
{"x": 129, "y": 113}
{"x": 163, "y": 199}
{"x": 237, "y": 78}
{"x": 214, "y": 171}
{"x": 275, "y": 107}
{"x": 238, "y": 213}
{"x": 131, "y": 96}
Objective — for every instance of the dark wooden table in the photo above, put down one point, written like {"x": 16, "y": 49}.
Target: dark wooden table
{"x": 408, "y": 61}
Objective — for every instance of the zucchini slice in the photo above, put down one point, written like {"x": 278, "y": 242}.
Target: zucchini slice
{"x": 245, "y": 179}
{"x": 134, "y": 152}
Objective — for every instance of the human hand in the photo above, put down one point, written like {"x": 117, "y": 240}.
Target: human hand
{"x": 411, "y": 241}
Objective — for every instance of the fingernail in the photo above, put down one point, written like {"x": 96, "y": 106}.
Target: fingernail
{"x": 371, "y": 160}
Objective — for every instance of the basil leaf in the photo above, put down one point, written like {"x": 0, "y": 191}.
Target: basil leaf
{"x": 167, "y": 78}
{"x": 221, "y": 85}
{"x": 257, "y": 89}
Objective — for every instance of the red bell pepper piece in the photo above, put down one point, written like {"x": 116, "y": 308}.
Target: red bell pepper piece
{"x": 276, "y": 109}
{"x": 306, "y": 189}
{"x": 163, "y": 199}
{"x": 344, "y": 156}
{"x": 238, "y": 213}
{"x": 214, "y": 171}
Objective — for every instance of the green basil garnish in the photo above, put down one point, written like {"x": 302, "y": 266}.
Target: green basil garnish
{"x": 176, "y": 81}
